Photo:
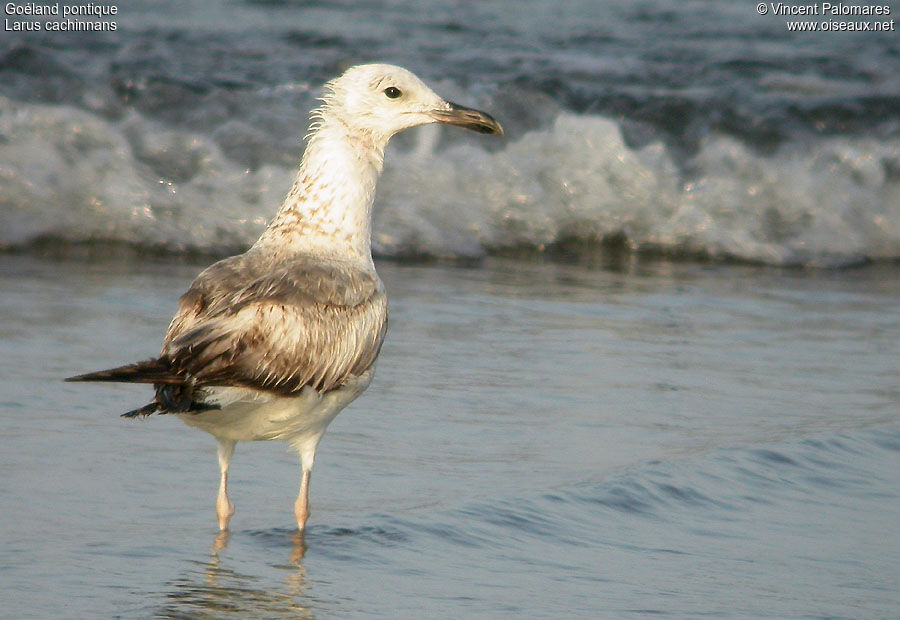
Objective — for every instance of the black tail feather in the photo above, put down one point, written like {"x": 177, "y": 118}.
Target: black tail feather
{"x": 142, "y": 411}
{"x": 175, "y": 393}
{"x": 157, "y": 407}
{"x": 150, "y": 371}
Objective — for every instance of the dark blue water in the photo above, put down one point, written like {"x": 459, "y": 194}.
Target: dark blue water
{"x": 684, "y": 68}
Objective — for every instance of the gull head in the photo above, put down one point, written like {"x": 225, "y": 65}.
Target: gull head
{"x": 376, "y": 101}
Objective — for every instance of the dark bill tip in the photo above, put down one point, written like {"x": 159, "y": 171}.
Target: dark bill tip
{"x": 468, "y": 118}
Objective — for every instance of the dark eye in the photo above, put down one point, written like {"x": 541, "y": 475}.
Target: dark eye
{"x": 392, "y": 92}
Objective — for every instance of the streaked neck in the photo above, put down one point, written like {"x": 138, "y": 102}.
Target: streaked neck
{"x": 328, "y": 210}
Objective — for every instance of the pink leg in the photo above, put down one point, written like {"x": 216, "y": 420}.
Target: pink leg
{"x": 224, "y": 507}
{"x": 301, "y": 506}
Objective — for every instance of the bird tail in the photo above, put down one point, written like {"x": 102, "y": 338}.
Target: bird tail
{"x": 150, "y": 371}
{"x": 175, "y": 393}
{"x": 146, "y": 410}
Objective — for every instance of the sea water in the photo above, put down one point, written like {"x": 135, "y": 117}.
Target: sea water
{"x": 540, "y": 441}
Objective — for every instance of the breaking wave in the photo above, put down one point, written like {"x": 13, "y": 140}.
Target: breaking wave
{"x": 75, "y": 176}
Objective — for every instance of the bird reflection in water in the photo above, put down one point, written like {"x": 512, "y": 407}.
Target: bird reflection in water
{"x": 217, "y": 591}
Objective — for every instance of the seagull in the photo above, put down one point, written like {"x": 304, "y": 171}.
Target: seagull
{"x": 273, "y": 343}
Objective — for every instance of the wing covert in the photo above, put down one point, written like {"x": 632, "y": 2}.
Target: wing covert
{"x": 302, "y": 323}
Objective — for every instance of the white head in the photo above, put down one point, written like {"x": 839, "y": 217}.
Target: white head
{"x": 377, "y": 101}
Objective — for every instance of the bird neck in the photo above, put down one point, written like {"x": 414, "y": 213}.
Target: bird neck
{"x": 328, "y": 210}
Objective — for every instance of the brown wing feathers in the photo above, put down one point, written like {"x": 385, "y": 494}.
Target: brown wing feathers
{"x": 301, "y": 324}
{"x": 281, "y": 348}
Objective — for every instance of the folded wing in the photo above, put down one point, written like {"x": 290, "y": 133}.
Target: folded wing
{"x": 302, "y": 323}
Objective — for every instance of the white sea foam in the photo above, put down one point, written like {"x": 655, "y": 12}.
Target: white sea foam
{"x": 66, "y": 173}
{"x": 835, "y": 202}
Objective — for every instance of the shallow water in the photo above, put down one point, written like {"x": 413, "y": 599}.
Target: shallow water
{"x": 541, "y": 441}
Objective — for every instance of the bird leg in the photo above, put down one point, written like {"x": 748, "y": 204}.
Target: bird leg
{"x": 301, "y": 506}
{"x": 224, "y": 507}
